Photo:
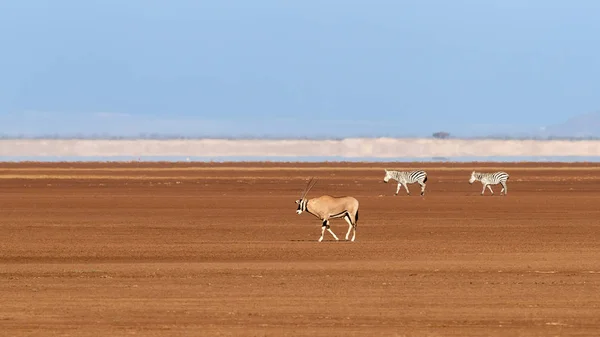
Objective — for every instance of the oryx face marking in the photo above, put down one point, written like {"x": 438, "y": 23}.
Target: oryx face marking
{"x": 300, "y": 203}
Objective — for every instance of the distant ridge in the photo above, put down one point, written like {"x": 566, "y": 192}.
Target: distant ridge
{"x": 581, "y": 126}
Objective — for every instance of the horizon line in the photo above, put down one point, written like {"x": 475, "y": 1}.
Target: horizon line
{"x": 294, "y": 138}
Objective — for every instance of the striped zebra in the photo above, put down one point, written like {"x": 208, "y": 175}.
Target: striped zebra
{"x": 407, "y": 177}
{"x": 488, "y": 179}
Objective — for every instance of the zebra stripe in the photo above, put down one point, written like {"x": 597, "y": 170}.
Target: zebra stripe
{"x": 407, "y": 177}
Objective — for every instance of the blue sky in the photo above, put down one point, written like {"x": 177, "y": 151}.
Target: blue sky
{"x": 299, "y": 68}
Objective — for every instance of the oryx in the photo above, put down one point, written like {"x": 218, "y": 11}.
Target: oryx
{"x": 327, "y": 207}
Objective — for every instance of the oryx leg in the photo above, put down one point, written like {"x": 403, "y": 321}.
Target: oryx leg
{"x": 354, "y": 226}
{"x": 490, "y": 188}
{"x": 350, "y": 226}
{"x": 322, "y": 231}
{"x": 324, "y": 227}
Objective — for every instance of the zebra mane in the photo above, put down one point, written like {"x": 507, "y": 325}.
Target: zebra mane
{"x": 394, "y": 173}
{"x": 481, "y": 175}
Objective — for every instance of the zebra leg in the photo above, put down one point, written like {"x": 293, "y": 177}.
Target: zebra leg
{"x": 483, "y": 191}
{"x": 406, "y": 188}
{"x": 490, "y": 187}
{"x": 422, "y": 188}
{"x": 347, "y": 218}
{"x": 398, "y": 188}
{"x": 504, "y": 188}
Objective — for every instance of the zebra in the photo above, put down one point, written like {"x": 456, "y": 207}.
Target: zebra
{"x": 407, "y": 177}
{"x": 488, "y": 179}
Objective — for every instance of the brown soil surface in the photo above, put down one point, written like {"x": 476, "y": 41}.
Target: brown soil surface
{"x": 153, "y": 249}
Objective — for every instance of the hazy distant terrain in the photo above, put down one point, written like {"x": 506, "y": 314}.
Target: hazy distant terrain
{"x": 585, "y": 125}
{"x": 39, "y": 125}
{"x": 347, "y": 148}
{"x": 576, "y": 137}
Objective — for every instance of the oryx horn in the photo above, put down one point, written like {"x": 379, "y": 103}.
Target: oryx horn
{"x": 311, "y": 183}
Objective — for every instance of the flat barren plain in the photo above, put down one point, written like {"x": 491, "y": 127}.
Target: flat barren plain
{"x": 201, "y": 249}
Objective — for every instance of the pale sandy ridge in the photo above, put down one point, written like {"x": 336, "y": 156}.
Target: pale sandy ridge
{"x": 349, "y": 148}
